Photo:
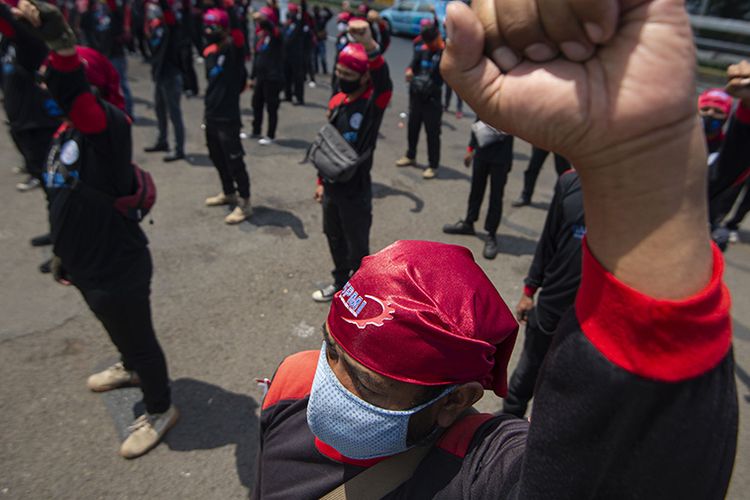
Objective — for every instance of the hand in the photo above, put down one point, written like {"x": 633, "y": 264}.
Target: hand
{"x": 525, "y": 305}
{"x": 624, "y": 81}
{"x": 467, "y": 158}
{"x": 359, "y": 29}
{"x": 409, "y": 76}
{"x": 373, "y": 16}
{"x": 318, "y": 196}
{"x": 739, "y": 81}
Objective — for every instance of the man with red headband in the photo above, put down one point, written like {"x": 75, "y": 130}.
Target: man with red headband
{"x": 98, "y": 249}
{"x": 267, "y": 75}
{"x": 425, "y": 89}
{"x": 637, "y": 396}
{"x": 224, "y": 58}
{"x": 356, "y": 112}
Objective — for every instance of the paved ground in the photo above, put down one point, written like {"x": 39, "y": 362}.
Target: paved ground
{"x": 229, "y": 303}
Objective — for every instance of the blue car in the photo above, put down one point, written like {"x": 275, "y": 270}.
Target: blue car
{"x": 405, "y": 15}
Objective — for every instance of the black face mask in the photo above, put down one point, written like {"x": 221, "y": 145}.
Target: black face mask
{"x": 266, "y": 25}
{"x": 711, "y": 125}
{"x": 349, "y": 86}
{"x": 430, "y": 35}
{"x": 214, "y": 37}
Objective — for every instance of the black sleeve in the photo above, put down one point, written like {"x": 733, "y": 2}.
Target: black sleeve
{"x": 473, "y": 144}
{"x": 545, "y": 248}
{"x": 734, "y": 156}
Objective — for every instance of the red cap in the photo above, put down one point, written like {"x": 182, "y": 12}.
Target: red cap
{"x": 354, "y": 57}
{"x": 716, "y": 98}
{"x": 344, "y": 17}
{"x": 427, "y": 22}
{"x": 269, "y": 14}
{"x": 101, "y": 74}
{"x": 293, "y": 8}
{"x": 216, "y": 17}
{"x": 425, "y": 313}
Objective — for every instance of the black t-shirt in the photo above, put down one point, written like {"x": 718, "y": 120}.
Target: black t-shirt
{"x": 268, "y": 56}
{"x": 226, "y": 75}
{"x": 103, "y": 27}
{"x": 426, "y": 83}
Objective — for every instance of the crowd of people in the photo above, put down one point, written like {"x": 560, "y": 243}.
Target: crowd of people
{"x": 625, "y": 338}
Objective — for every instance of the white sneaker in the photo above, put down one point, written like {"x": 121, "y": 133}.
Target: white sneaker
{"x": 312, "y": 85}
{"x": 241, "y": 212}
{"x": 221, "y": 199}
{"x": 147, "y": 431}
{"x": 265, "y": 141}
{"x": 325, "y": 294}
{"x": 29, "y": 184}
{"x": 734, "y": 236}
{"x": 112, "y": 378}
{"x": 429, "y": 173}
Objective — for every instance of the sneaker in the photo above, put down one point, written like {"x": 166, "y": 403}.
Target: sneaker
{"x": 19, "y": 170}
{"x": 521, "y": 202}
{"x": 156, "y": 148}
{"x": 460, "y": 227}
{"x": 734, "y": 236}
{"x": 405, "y": 161}
{"x": 46, "y": 266}
{"x": 29, "y": 184}
{"x": 325, "y": 294}
{"x": 241, "y": 212}
{"x": 490, "y": 248}
{"x": 147, "y": 431}
{"x": 265, "y": 141}
{"x": 429, "y": 173}
{"x": 221, "y": 199}
{"x": 312, "y": 85}
{"x": 112, "y": 378}
{"x": 42, "y": 240}
{"x": 173, "y": 157}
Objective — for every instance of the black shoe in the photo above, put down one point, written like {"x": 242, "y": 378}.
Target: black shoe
{"x": 490, "y": 248}
{"x": 521, "y": 202}
{"x": 156, "y": 148}
{"x": 173, "y": 157}
{"x": 460, "y": 227}
{"x": 46, "y": 267}
{"x": 41, "y": 240}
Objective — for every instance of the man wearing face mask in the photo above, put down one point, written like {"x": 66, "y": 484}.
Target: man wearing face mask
{"x": 643, "y": 360}
{"x": 224, "y": 58}
{"x": 425, "y": 88}
{"x": 356, "y": 112}
{"x": 266, "y": 77}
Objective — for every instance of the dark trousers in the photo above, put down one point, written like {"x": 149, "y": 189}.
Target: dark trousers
{"x": 121, "y": 66}
{"x": 742, "y": 209}
{"x": 33, "y": 144}
{"x": 521, "y": 385}
{"x": 449, "y": 95}
{"x": 429, "y": 112}
{"x": 319, "y": 57}
{"x": 167, "y": 94}
{"x": 346, "y": 224}
{"x": 498, "y": 175}
{"x": 266, "y": 94}
{"x": 127, "y": 318}
{"x": 226, "y": 152}
{"x": 189, "y": 77}
{"x": 294, "y": 80}
{"x": 535, "y": 166}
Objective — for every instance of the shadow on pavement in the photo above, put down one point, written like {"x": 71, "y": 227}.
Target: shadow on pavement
{"x": 143, "y": 102}
{"x": 515, "y": 245}
{"x": 380, "y": 191}
{"x": 293, "y": 143}
{"x": 521, "y": 156}
{"x": 211, "y": 417}
{"x": 199, "y": 160}
{"x": 449, "y": 126}
{"x": 451, "y": 174}
{"x": 266, "y": 216}
{"x": 141, "y": 121}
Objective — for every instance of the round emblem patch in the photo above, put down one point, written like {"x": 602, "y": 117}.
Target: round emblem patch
{"x": 69, "y": 153}
{"x": 355, "y": 121}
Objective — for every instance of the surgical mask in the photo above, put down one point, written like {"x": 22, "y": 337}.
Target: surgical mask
{"x": 352, "y": 426}
{"x": 349, "y": 86}
{"x": 712, "y": 125}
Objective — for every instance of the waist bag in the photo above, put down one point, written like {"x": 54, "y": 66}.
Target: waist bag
{"x": 332, "y": 156}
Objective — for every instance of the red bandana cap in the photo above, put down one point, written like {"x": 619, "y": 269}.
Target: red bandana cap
{"x": 216, "y": 17}
{"x": 293, "y": 8}
{"x": 344, "y": 17}
{"x": 426, "y": 23}
{"x": 716, "y": 98}
{"x": 354, "y": 57}
{"x": 101, "y": 74}
{"x": 269, "y": 14}
{"x": 425, "y": 313}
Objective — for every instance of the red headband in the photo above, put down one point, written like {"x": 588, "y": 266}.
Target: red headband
{"x": 716, "y": 98}
{"x": 216, "y": 17}
{"x": 354, "y": 57}
{"x": 425, "y": 313}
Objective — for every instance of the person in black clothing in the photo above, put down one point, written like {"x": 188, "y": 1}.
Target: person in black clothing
{"x": 185, "y": 26}
{"x": 538, "y": 155}
{"x": 225, "y": 72}
{"x": 321, "y": 18}
{"x": 97, "y": 249}
{"x": 492, "y": 152}
{"x": 357, "y": 113}
{"x": 556, "y": 269}
{"x": 138, "y": 16}
{"x": 294, "y": 33}
{"x": 425, "y": 107}
{"x": 164, "y": 40}
{"x": 266, "y": 77}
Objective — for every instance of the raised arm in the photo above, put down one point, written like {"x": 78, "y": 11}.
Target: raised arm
{"x": 30, "y": 50}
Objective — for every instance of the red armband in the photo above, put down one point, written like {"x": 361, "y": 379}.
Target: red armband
{"x": 469, "y": 149}
{"x": 529, "y": 290}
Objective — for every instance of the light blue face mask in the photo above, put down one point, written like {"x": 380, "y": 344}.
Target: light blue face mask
{"x": 354, "y": 427}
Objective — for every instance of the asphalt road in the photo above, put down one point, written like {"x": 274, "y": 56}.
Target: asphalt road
{"x": 229, "y": 303}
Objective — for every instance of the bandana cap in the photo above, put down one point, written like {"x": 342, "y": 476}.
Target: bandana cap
{"x": 344, "y": 17}
{"x": 716, "y": 98}
{"x": 101, "y": 74}
{"x": 354, "y": 57}
{"x": 216, "y": 17}
{"x": 293, "y": 8}
{"x": 269, "y": 14}
{"x": 425, "y": 313}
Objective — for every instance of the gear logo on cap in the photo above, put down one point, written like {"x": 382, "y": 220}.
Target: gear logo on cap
{"x": 356, "y": 303}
